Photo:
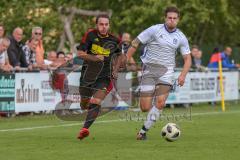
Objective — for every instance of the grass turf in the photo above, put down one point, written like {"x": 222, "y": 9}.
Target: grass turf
{"x": 208, "y": 134}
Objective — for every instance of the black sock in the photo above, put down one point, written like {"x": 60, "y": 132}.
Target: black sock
{"x": 91, "y": 115}
{"x": 144, "y": 128}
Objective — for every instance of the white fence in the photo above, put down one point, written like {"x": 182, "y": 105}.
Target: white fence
{"x": 26, "y": 92}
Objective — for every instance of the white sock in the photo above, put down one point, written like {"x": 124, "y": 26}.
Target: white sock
{"x": 152, "y": 117}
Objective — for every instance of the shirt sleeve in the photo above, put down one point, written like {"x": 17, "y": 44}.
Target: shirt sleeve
{"x": 184, "y": 46}
{"x": 147, "y": 35}
{"x": 226, "y": 63}
{"x": 86, "y": 42}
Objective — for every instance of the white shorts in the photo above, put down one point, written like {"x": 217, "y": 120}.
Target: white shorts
{"x": 153, "y": 75}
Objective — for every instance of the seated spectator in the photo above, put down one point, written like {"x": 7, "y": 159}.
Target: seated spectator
{"x": 29, "y": 50}
{"x": 226, "y": 63}
{"x": 4, "y": 62}
{"x": 15, "y": 53}
{"x": 2, "y": 31}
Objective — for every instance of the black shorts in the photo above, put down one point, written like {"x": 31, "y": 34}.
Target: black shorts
{"x": 88, "y": 89}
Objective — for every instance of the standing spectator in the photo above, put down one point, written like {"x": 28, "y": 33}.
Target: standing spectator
{"x": 196, "y": 54}
{"x": 51, "y": 57}
{"x": 126, "y": 42}
{"x": 2, "y": 31}
{"x": 4, "y": 62}
{"x": 125, "y": 45}
{"x": 29, "y": 50}
{"x": 15, "y": 53}
{"x": 226, "y": 63}
{"x": 37, "y": 35}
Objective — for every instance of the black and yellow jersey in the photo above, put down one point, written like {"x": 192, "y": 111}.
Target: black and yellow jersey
{"x": 95, "y": 44}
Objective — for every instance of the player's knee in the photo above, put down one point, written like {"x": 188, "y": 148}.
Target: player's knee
{"x": 84, "y": 103}
{"x": 160, "y": 104}
{"x": 95, "y": 101}
{"x": 145, "y": 108}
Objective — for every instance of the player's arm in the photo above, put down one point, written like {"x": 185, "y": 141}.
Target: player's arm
{"x": 187, "y": 65}
{"x": 84, "y": 46}
{"x": 134, "y": 45}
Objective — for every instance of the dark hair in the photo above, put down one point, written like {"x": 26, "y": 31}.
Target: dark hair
{"x": 215, "y": 50}
{"x": 102, "y": 16}
{"x": 195, "y": 46}
{"x": 60, "y": 52}
{"x": 172, "y": 9}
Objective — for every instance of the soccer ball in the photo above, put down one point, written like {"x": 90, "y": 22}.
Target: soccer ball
{"x": 171, "y": 132}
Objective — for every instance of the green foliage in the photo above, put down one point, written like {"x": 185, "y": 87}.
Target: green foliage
{"x": 211, "y": 23}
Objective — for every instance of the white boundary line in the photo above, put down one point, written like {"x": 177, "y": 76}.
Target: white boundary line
{"x": 106, "y": 121}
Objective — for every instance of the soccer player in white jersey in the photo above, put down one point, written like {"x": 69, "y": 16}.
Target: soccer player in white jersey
{"x": 162, "y": 42}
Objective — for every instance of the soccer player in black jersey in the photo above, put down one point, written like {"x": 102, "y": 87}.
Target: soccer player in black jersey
{"x": 98, "y": 49}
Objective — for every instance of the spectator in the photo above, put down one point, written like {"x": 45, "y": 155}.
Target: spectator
{"x": 55, "y": 60}
{"x": 2, "y": 31}
{"x": 37, "y": 35}
{"x": 15, "y": 52}
{"x": 4, "y": 62}
{"x": 125, "y": 44}
{"x": 29, "y": 50}
{"x": 60, "y": 55}
{"x": 196, "y": 54}
{"x": 226, "y": 63}
{"x": 51, "y": 58}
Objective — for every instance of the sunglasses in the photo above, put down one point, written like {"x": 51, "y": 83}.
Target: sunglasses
{"x": 36, "y": 33}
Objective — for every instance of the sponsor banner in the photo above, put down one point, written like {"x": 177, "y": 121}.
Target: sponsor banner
{"x": 7, "y": 92}
{"x": 27, "y": 92}
{"x": 204, "y": 87}
{"x": 33, "y": 91}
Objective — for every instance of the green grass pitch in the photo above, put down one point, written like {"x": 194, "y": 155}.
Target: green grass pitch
{"x": 207, "y": 134}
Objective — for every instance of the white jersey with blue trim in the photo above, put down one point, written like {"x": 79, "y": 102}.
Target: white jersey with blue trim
{"x": 161, "y": 45}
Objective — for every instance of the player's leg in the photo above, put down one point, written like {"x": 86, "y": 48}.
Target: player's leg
{"x": 145, "y": 105}
{"x": 86, "y": 93}
{"x": 94, "y": 106}
{"x": 147, "y": 89}
{"x": 161, "y": 94}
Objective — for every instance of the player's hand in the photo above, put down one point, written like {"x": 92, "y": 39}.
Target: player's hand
{"x": 115, "y": 74}
{"x": 181, "y": 80}
{"x": 100, "y": 57}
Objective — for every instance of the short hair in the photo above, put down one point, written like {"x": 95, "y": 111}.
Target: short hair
{"x": 102, "y": 16}
{"x": 36, "y": 28}
{"x": 59, "y": 53}
{"x": 172, "y": 9}
{"x": 195, "y": 46}
{"x": 4, "y": 39}
{"x": 1, "y": 25}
